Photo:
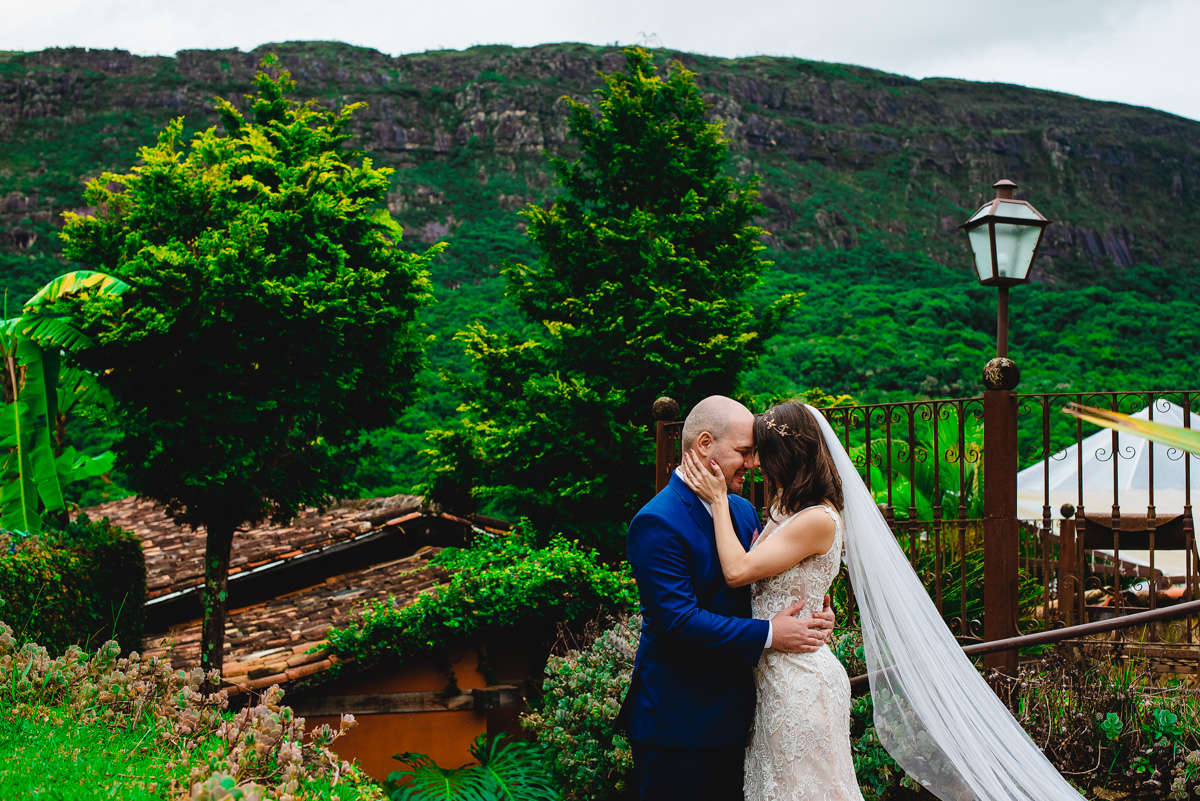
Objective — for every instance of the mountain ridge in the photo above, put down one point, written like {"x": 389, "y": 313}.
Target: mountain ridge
{"x": 955, "y": 136}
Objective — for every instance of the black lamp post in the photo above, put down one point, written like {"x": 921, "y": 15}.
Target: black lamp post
{"x": 1004, "y": 235}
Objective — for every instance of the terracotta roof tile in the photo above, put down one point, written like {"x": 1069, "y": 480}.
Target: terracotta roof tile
{"x": 175, "y": 554}
{"x": 267, "y": 643}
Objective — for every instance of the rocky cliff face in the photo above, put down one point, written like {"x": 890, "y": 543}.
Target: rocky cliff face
{"x": 845, "y": 153}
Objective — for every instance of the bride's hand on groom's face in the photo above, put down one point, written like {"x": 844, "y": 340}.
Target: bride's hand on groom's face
{"x": 706, "y": 481}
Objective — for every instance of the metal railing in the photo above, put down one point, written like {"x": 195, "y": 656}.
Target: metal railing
{"x": 859, "y": 684}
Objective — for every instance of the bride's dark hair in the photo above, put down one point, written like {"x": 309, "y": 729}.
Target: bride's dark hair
{"x": 795, "y": 460}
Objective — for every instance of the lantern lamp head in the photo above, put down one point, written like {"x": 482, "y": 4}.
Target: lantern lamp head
{"x": 1004, "y": 235}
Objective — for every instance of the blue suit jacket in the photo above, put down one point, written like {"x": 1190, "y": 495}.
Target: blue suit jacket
{"x": 693, "y": 680}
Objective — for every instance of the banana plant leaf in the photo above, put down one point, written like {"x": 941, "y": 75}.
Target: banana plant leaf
{"x": 72, "y": 283}
{"x": 51, "y": 367}
{"x": 1187, "y": 439}
{"x": 78, "y": 387}
{"x": 75, "y": 466}
{"x": 31, "y": 475}
{"x": 930, "y": 474}
{"x": 11, "y": 429}
{"x": 55, "y": 332}
{"x": 38, "y": 389}
{"x": 18, "y": 493}
{"x": 50, "y": 330}
{"x": 903, "y": 491}
{"x": 15, "y": 512}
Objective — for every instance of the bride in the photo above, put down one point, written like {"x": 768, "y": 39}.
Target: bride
{"x": 933, "y": 712}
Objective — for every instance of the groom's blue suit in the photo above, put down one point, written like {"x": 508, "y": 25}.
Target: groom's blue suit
{"x": 693, "y": 683}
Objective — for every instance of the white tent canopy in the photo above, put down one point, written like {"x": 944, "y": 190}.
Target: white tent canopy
{"x": 1133, "y": 457}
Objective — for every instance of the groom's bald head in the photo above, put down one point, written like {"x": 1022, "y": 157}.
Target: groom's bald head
{"x": 715, "y": 414}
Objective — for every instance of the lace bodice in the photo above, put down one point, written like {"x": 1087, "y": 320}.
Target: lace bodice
{"x": 807, "y": 581}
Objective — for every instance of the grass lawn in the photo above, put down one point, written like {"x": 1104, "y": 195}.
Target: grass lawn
{"x": 49, "y": 755}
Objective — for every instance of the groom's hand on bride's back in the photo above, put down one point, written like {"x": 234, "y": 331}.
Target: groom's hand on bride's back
{"x": 801, "y": 635}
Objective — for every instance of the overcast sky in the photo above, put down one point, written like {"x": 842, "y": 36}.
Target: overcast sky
{"x": 1142, "y": 52}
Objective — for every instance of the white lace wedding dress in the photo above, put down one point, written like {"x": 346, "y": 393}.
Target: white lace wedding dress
{"x": 800, "y": 747}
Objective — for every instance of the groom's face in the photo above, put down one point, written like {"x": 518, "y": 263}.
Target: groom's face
{"x": 734, "y": 452}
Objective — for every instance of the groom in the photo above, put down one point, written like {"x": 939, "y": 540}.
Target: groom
{"x": 691, "y": 699}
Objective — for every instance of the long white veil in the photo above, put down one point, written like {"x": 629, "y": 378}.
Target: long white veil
{"x": 934, "y": 713}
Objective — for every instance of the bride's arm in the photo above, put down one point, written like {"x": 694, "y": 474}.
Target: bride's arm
{"x": 808, "y": 533}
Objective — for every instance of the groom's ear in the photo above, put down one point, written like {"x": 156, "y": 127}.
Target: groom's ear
{"x": 704, "y": 443}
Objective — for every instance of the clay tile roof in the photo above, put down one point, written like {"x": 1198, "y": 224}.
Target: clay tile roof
{"x": 267, "y": 643}
{"x": 175, "y": 554}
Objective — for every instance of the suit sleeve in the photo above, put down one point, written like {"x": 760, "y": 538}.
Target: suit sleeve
{"x": 660, "y": 565}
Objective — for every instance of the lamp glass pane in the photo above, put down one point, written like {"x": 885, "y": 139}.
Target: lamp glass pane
{"x": 1007, "y": 208}
{"x": 981, "y": 250}
{"x": 1014, "y": 249}
{"x": 983, "y": 210}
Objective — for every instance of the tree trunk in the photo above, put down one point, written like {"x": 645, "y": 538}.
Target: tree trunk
{"x": 214, "y": 597}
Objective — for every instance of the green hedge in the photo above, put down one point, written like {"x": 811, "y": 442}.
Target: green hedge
{"x": 81, "y": 585}
{"x": 498, "y": 583}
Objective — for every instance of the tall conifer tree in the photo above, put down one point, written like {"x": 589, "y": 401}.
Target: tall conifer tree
{"x": 647, "y": 256}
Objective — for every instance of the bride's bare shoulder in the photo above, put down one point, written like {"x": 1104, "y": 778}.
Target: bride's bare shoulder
{"x": 814, "y": 524}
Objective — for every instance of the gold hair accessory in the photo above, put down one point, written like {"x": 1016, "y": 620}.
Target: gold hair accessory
{"x": 782, "y": 429}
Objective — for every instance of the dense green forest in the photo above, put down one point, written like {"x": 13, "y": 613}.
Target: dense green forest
{"x": 864, "y": 176}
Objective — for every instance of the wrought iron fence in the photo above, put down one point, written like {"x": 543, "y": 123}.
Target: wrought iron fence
{"x": 922, "y": 461}
{"x": 1107, "y": 519}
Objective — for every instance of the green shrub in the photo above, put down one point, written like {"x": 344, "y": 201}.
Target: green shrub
{"x": 879, "y": 777}
{"x": 1109, "y": 724}
{"x": 499, "y": 583}
{"x": 847, "y": 646}
{"x": 80, "y": 585}
{"x": 582, "y": 694}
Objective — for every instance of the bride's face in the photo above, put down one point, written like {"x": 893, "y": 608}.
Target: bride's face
{"x": 734, "y": 452}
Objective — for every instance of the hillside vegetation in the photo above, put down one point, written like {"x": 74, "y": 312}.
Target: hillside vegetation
{"x": 864, "y": 175}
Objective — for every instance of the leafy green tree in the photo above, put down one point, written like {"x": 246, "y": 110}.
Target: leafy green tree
{"x": 270, "y": 317}
{"x": 646, "y": 258}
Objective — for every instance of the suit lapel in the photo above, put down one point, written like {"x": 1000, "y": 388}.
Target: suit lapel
{"x": 689, "y": 499}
